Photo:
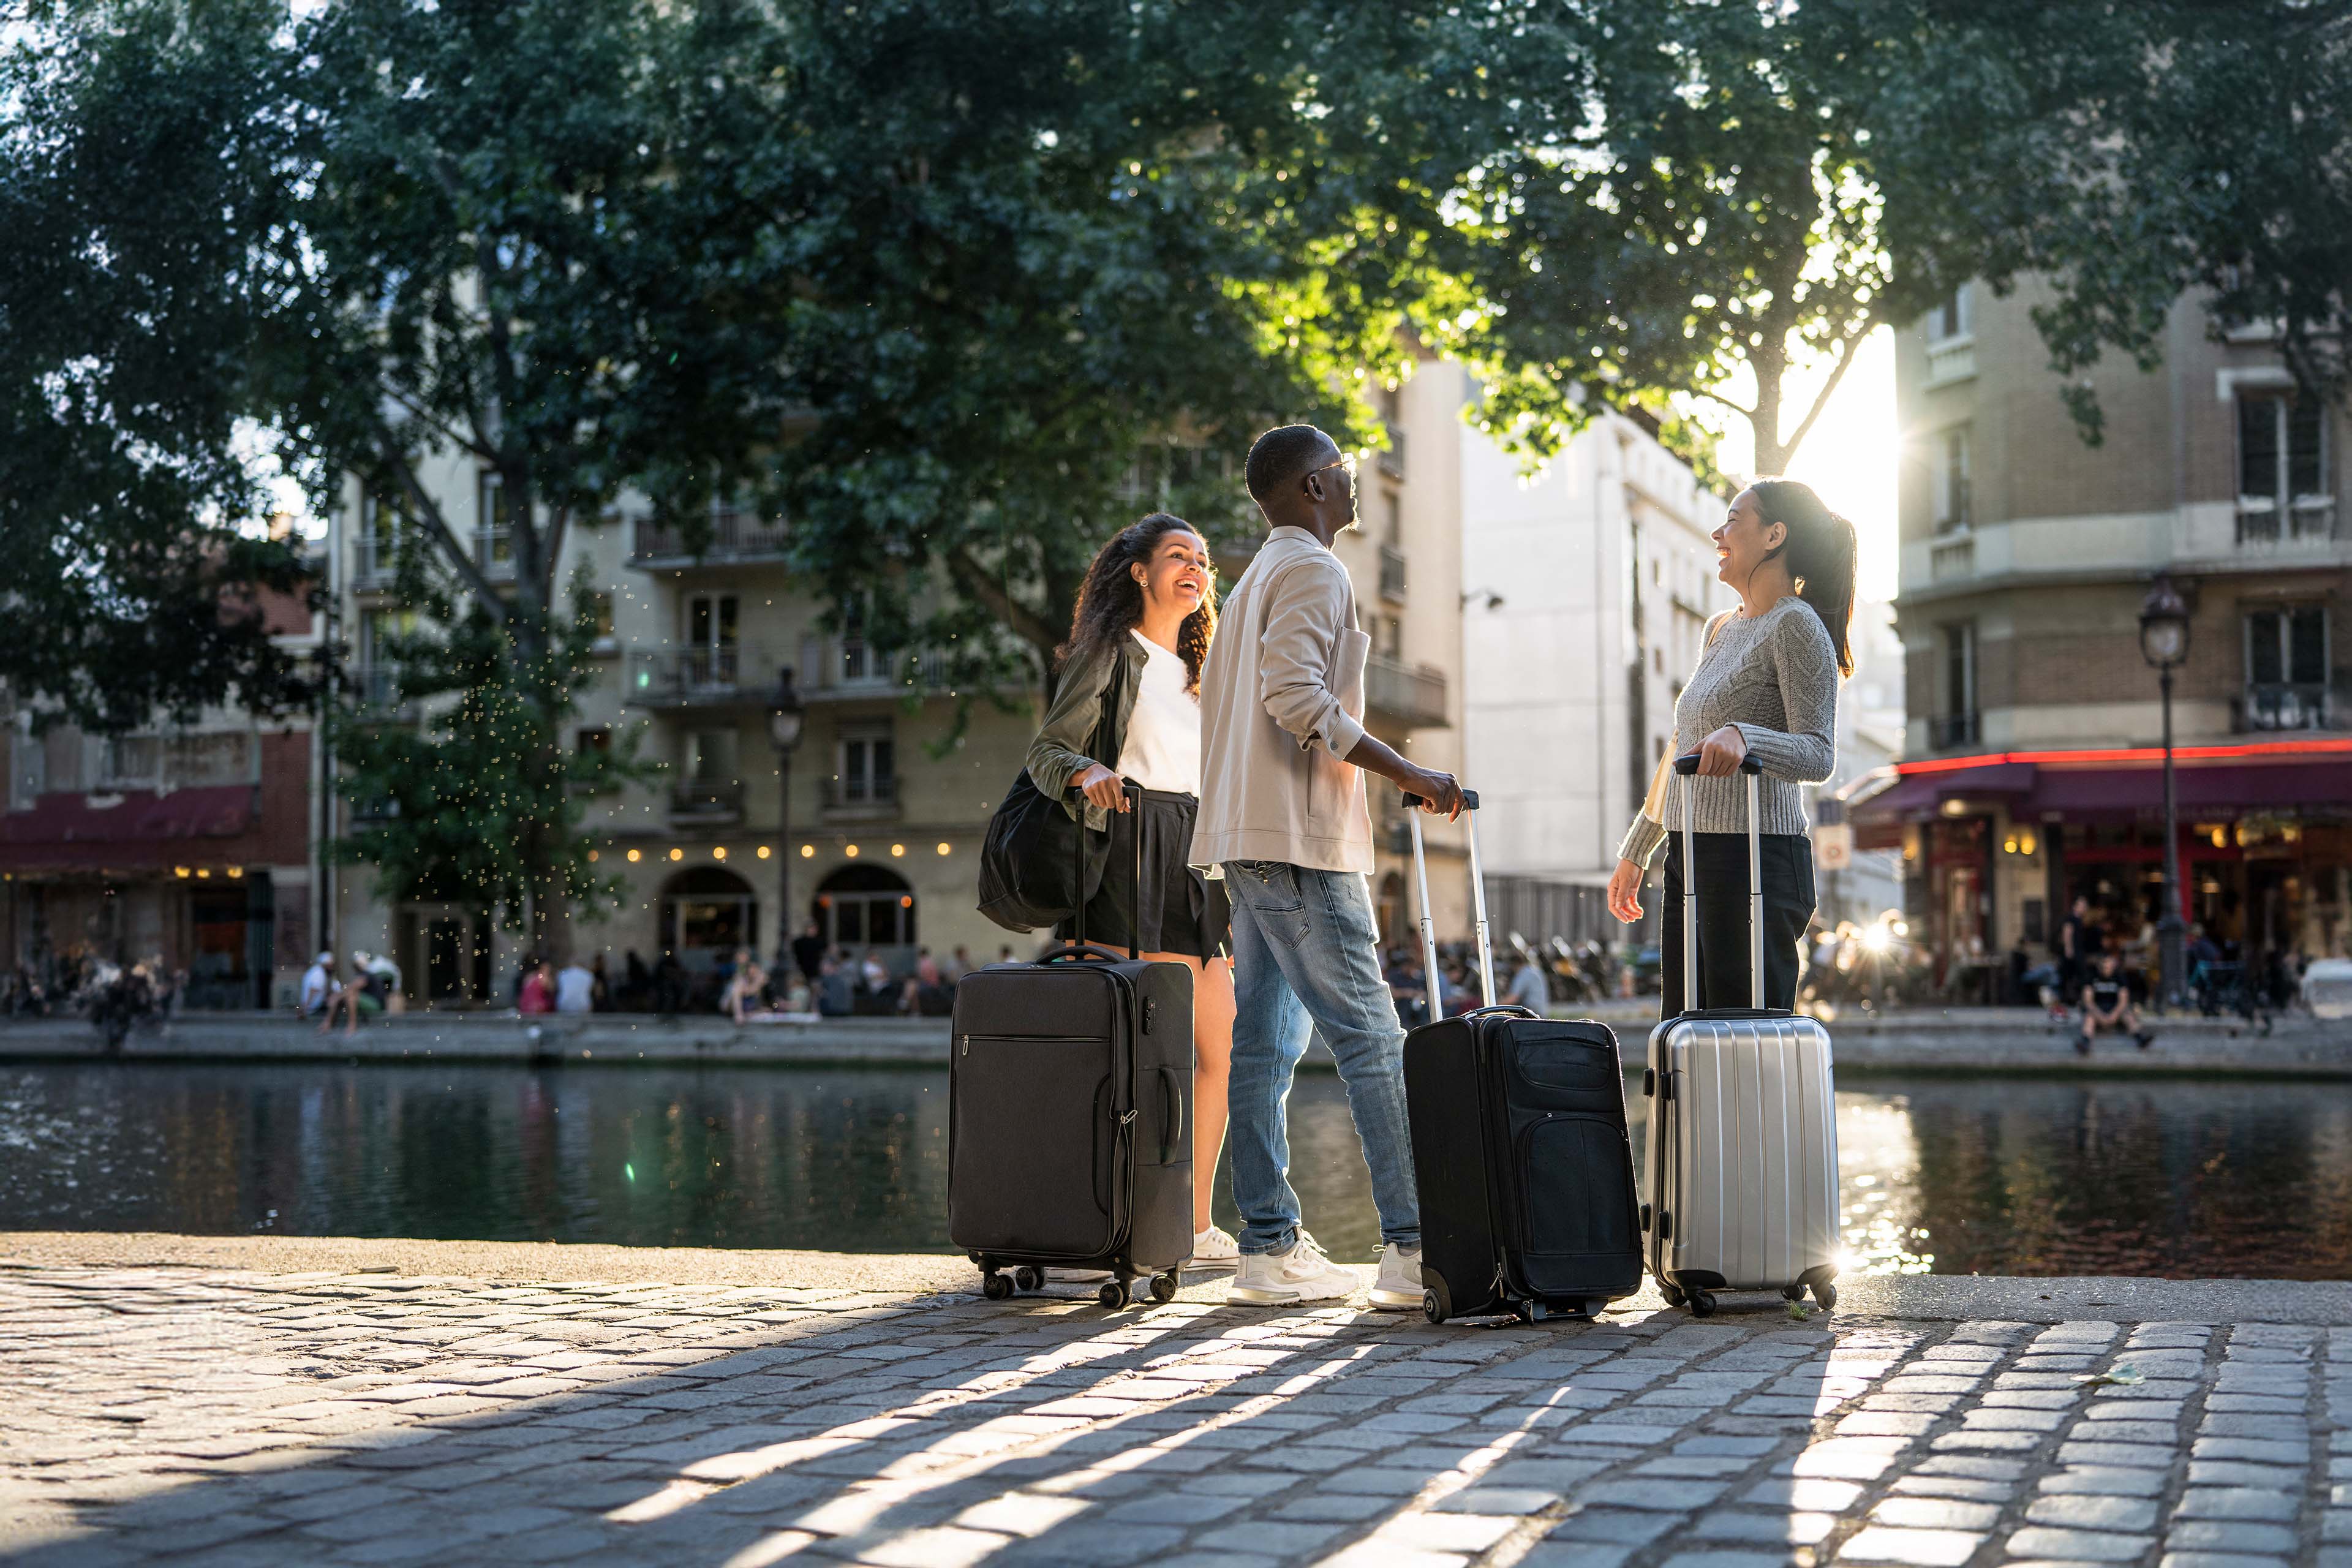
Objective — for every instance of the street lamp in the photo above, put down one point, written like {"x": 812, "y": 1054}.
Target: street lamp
{"x": 785, "y": 713}
{"x": 2164, "y": 643}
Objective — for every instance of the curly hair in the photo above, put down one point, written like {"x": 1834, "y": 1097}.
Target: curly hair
{"x": 1111, "y": 601}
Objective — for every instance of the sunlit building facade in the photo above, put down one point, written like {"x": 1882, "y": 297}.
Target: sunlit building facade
{"x": 2033, "y": 769}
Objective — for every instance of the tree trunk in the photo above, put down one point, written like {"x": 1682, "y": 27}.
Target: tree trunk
{"x": 1770, "y": 363}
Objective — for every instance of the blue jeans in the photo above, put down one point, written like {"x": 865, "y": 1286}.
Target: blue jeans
{"x": 1307, "y": 959}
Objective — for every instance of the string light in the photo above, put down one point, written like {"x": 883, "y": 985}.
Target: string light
{"x": 808, "y": 851}
{"x": 763, "y": 852}
{"x": 632, "y": 857}
{"x": 943, "y": 848}
{"x": 719, "y": 852}
{"x": 897, "y": 849}
{"x": 677, "y": 854}
{"x": 851, "y": 850}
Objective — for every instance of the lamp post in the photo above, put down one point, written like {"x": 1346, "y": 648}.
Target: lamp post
{"x": 2164, "y": 643}
{"x": 785, "y": 713}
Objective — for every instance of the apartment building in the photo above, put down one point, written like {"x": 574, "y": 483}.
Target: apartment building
{"x": 871, "y": 827}
{"x": 2033, "y": 766}
{"x": 191, "y": 846}
{"x": 1588, "y": 588}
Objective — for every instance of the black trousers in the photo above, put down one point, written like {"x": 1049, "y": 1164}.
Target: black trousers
{"x": 1787, "y": 861}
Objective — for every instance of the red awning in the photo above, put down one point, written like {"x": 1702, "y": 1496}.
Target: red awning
{"x": 136, "y": 830}
{"x": 1919, "y": 792}
{"x": 2080, "y": 792}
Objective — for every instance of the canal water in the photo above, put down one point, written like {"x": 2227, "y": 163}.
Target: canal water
{"x": 2181, "y": 1178}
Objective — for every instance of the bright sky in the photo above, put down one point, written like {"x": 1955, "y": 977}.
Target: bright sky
{"x": 1849, "y": 456}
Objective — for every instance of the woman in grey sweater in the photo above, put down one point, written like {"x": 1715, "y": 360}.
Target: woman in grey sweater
{"x": 1766, "y": 686}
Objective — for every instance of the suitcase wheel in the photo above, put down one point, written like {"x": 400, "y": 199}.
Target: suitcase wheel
{"x": 1792, "y": 1292}
{"x": 1163, "y": 1286}
{"x": 1113, "y": 1294}
{"x": 995, "y": 1286}
{"x": 1029, "y": 1278}
{"x": 1826, "y": 1293}
{"x": 1437, "y": 1301}
{"x": 1702, "y": 1305}
{"x": 1672, "y": 1292}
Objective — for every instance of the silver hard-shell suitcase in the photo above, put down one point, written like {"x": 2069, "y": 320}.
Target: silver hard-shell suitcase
{"x": 1742, "y": 1164}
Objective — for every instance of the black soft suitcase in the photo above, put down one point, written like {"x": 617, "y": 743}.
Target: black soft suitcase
{"x": 1519, "y": 1148}
{"x": 1069, "y": 1113}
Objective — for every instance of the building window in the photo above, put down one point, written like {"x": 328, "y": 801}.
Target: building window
{"x": 599, "y": 617}
{"x": 595, "y": 743}
{"x": 1957, "y": 724}
{"x": 380, "y": 523}
{"x": 1951, "y": 318}
{"x": 2284, "y": 490}
{"x": 868, "y": 769}
{"x": 493, "y": 527}
{"x": 2286, "y": 669}
{"x": 1954, "y": 496}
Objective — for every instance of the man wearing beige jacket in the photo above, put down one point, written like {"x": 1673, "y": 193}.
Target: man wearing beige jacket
{"x": 1283, "y": 820}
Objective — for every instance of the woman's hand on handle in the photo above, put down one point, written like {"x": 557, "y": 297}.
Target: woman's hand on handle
{"x": 1720, "y": 755}
{"x": 1102, "y": 787}
{"x": 1625, "y": 892}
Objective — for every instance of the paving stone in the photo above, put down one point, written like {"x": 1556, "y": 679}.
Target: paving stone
{"x": 1622, "y": 1527}
{"x": 2109, "y": 1480}
{"x": 2236, "y": 1502}
{"x": 1764, "y": 1528}
{"x": 2079, "y": 1512}
{"x": 1935, "y": 1513}
{"x": 2077, "y": 1545}
{"x": 1917, "y": 1548}
{"x": 2228, "y": 1535}
{"x": 1966, "y": 1488}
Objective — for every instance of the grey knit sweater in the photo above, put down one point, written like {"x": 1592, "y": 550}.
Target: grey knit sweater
{"x": 1775, "y": 678}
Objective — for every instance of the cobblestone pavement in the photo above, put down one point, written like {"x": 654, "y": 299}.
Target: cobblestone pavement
{"x": 202, "y": 1417}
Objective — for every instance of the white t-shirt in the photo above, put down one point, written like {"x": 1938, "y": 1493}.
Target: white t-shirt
{"x": 575, "y": 990}
{"x": 315, "y": 986}
{"x": 1163, "y": 750}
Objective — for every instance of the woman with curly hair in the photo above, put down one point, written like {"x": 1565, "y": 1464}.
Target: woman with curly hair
{"x": 1145, "y": 614}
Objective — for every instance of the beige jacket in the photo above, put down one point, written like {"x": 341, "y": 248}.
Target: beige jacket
{"x": 1281, "y": 703}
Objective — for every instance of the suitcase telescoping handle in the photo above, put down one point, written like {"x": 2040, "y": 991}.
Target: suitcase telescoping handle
{"x": 1431, "y": 972}
{"x": 1688, "y": 768}
{"x": 1078, "y": 946}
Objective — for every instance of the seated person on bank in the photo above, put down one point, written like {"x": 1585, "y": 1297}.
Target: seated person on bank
{"x": 2107, "y": 1004}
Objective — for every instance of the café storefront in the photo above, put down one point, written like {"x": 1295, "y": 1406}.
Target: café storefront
{"x": 1997, "y": 847}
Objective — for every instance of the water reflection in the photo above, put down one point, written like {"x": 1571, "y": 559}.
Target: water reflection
{"x": 1942, "y": 1175}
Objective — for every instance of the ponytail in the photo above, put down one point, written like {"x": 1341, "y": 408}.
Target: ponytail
{"x": 1822, "y": 555}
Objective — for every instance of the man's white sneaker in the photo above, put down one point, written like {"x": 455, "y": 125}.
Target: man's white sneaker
{"x": 1398, "y": 1289}
{"x": 1216, "y": 1247}
{"x": 1287, "y": 1279}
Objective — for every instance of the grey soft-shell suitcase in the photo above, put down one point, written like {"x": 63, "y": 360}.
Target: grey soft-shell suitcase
{"x": 1519, "y": 1148}
{"x": 1069, "y": 1113}
{"x": 1742, "y": 1163}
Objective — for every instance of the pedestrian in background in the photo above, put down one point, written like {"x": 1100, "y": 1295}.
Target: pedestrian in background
{"x": 1766, "y": 686}
{"x": 575, "y": 987}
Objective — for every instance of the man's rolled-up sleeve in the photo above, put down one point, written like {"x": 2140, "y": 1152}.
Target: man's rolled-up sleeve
{"x": 1305, "y": 614}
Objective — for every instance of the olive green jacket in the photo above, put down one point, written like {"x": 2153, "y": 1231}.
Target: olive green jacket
{"x": 1058, "y": 754}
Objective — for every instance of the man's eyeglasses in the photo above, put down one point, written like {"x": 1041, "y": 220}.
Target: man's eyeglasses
{"x": 1347, "y": 461}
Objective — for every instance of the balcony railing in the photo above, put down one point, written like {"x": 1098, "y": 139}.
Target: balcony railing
{"x": 734, "y": 537}
{"x": 861, "y": 794}
{"x": 2286, "y": 705}
{"x": 733, "y": 676}
{"x": 1404, "y": 694}
{"x": 1953, "y": 556}
{"x": 179, "y": 762}
{"x": 1950, "y": 360}
{"x": 1945, "y": 730}
{"x": 1392, "y": 574}
{"x": 708, "y": 803}
{"x": 2263, "y": 524}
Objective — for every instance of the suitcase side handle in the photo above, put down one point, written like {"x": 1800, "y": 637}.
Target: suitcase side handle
{"x": 1512, "y": 1009}
{"x": 1171, "y": 1114}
